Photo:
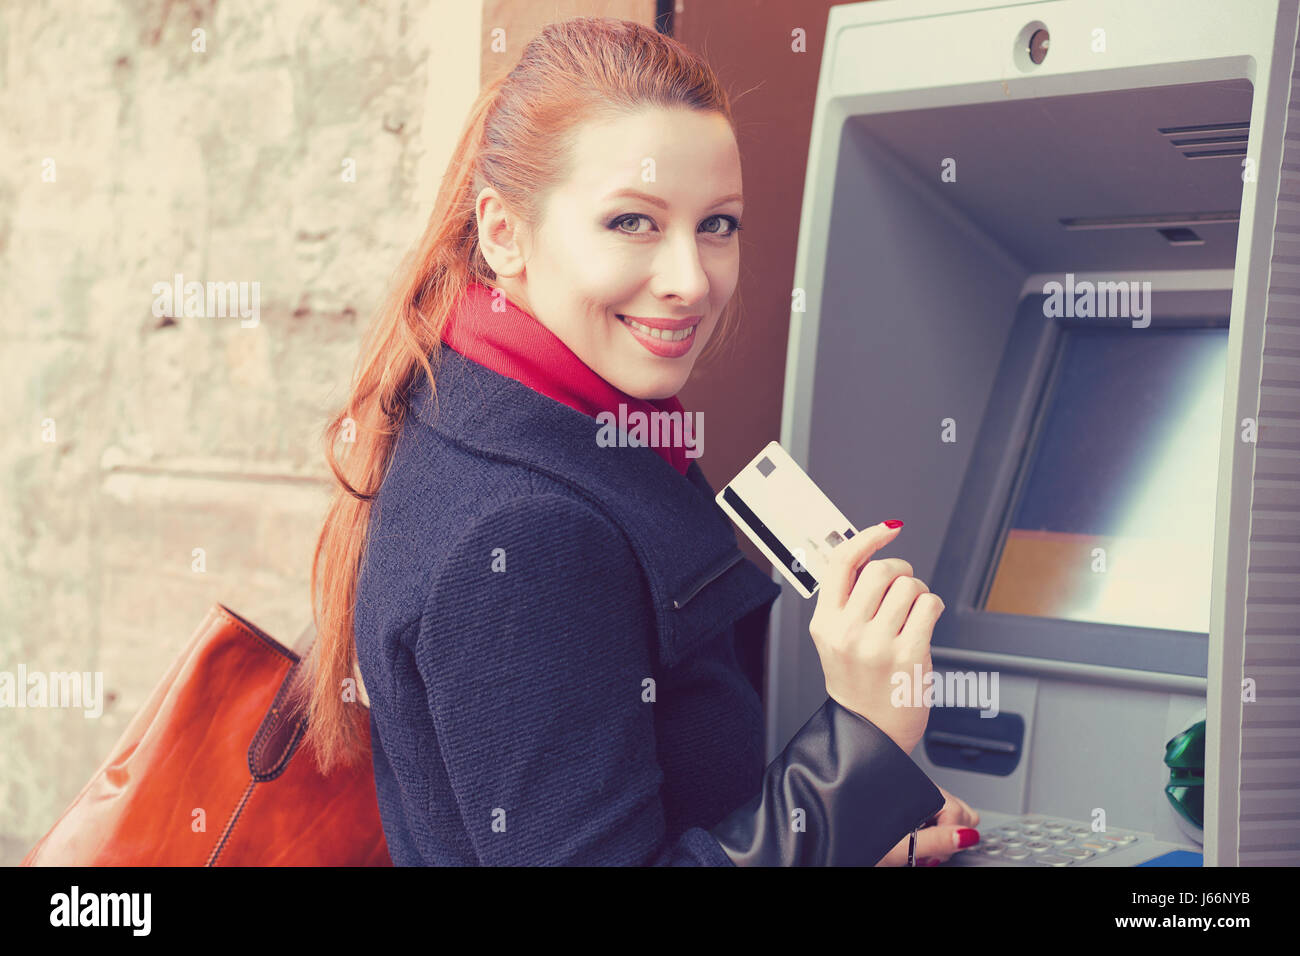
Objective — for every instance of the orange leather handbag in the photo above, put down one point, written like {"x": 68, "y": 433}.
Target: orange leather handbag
{"x": 210, "y": 772}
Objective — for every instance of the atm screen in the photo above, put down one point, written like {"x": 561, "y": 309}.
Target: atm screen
{"x": 1114, "y": 517}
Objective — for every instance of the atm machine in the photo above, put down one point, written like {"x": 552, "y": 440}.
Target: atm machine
{"x": 1047, "y": 311}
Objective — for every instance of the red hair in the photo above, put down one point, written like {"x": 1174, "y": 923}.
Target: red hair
{"x": 517, "y": 139}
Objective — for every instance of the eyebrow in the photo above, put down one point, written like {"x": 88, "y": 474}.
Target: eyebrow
{"x": 656, "y": 201}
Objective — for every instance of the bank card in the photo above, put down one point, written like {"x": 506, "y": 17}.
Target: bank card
{"x": 787, "y": 516}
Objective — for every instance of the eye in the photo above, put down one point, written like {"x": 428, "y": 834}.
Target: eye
{"x": 616, "y": 225}
{"x": 629, "y": 218}
{"x": 735, "y": 225}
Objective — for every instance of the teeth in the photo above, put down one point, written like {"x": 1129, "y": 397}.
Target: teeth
{"x": 659, "y": 333}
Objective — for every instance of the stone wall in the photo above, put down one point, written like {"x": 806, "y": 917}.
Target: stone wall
{"x": 154, "y": 465}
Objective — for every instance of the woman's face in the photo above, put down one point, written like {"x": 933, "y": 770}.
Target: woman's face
{"x": 644, "y": 229}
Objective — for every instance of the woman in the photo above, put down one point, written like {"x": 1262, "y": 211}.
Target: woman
{"x": 546, "y": 621}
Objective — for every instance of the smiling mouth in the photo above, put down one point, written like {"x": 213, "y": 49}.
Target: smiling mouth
{"x": 680, "y": 335}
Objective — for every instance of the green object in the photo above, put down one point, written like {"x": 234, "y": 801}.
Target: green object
{"x": 1185, "y": 758}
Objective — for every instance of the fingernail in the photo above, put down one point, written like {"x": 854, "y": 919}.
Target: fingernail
{"x": 933, "y": 862}
{"x": 967, "y": 837}
{"x": 922, "y": 861}
{"x": 893, "y": 523}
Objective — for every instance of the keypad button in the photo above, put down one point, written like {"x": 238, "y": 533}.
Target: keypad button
{"x": 1052, "y": 860}
{"x": 1015, "y": 853}
{"x": 1075, "y": 852}
{"x": 1081, "y": 831}
{"x": 1059, "y": 839}
{"x": 1031, "y": 821}
{"x": 1038, "y": 846}
{"x": 1097, "y": 846}
{"x": 1120, "y": 839}
{"x": 1054, "y": 827}
{"x": 1013, "y": 841}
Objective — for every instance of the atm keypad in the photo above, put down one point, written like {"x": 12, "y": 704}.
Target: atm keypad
{"x": 1041, "y": 840}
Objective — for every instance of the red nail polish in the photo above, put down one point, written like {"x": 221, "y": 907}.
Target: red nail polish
{"x": 967, "y": 837}
{"x": 893, "y": 523}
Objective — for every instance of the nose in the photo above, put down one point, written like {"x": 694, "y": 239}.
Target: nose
{"x": 679, "y": 272}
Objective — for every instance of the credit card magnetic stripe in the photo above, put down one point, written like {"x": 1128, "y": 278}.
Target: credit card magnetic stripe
{"x": 764, "y": 534}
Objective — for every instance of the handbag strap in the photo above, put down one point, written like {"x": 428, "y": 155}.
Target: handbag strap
{"x": 282, "y": 728}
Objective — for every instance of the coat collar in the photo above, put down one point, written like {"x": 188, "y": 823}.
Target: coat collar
{"x": 683, "y": 540}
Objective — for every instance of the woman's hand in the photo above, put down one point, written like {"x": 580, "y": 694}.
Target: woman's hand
{"x": 872, "y": 622}
{"x": 937, "y": 843}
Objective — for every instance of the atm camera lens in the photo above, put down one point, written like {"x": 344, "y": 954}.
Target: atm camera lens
{"x": 1038, "y": 44}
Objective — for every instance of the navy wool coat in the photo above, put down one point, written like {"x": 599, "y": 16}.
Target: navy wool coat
{"x": 547, "y": 633}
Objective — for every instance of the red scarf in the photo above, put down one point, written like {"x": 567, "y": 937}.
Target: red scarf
{"x": 513, "y": 343}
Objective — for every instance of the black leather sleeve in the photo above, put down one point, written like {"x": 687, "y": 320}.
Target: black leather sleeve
{"x": 859, "y": 792}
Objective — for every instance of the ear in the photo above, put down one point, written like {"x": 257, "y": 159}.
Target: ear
{"x": 501, "y": 236}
